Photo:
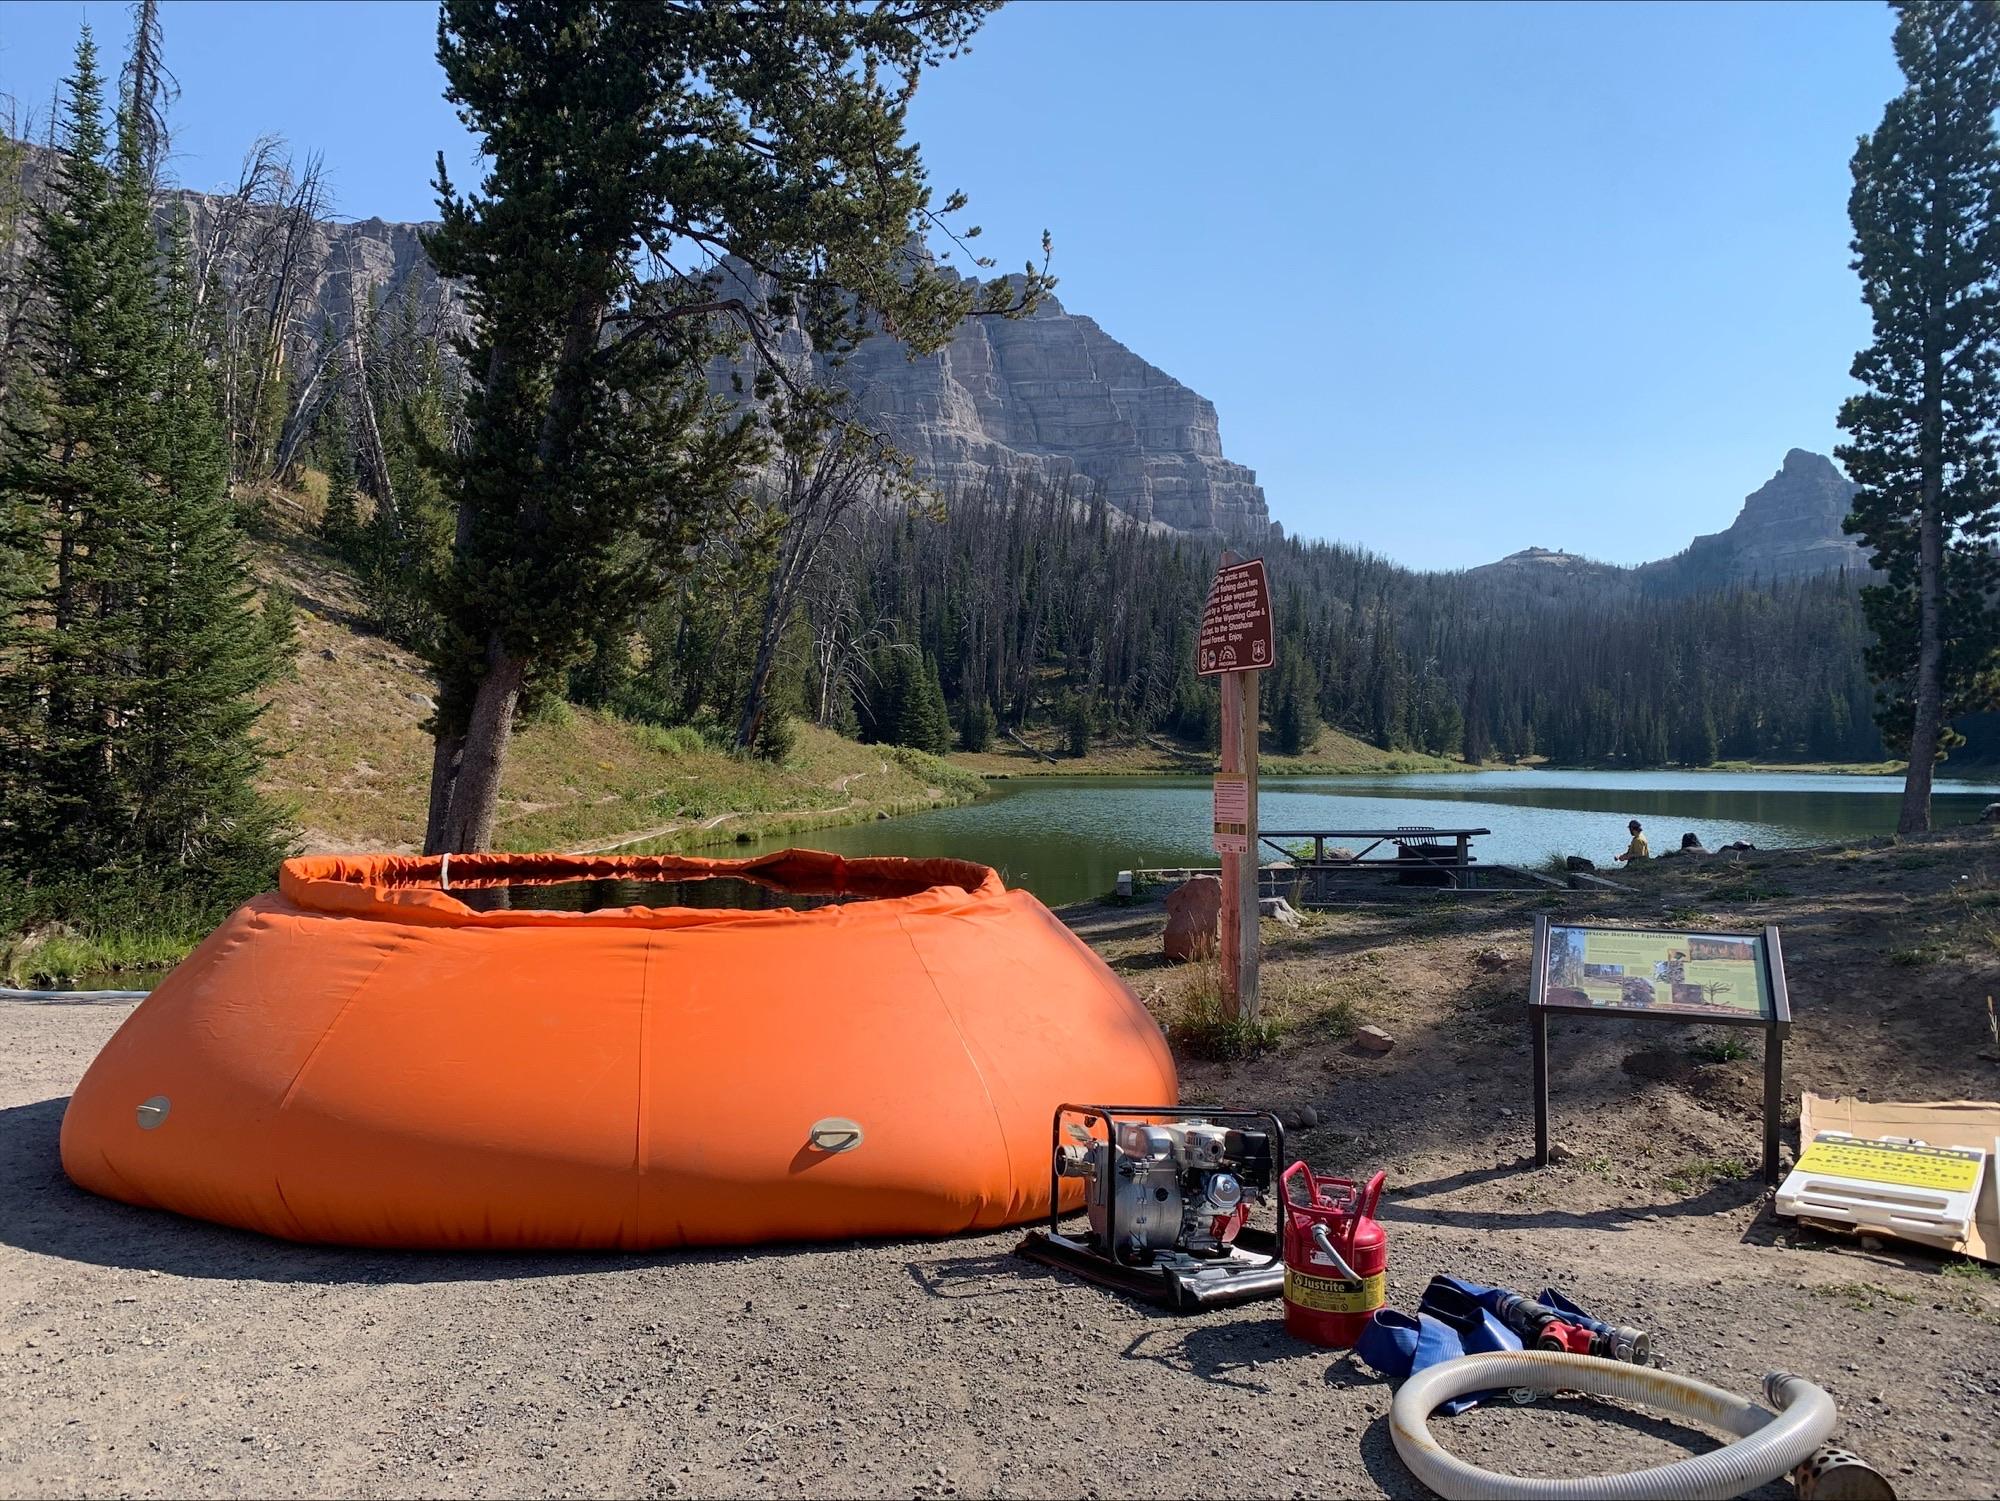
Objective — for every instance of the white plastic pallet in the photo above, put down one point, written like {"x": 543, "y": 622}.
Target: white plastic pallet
{"x": 1860, "y": 1190}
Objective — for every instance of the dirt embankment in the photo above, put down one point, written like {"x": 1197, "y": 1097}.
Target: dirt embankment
{"x": 146, "y": 1355}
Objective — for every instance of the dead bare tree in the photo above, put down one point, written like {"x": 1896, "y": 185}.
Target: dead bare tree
{"x": 259, "y": 260}
{"x": 148, "y": 90}
{"x": 18, "y": 196}
{"x": 828, "y": 464}
{"x": 285, "y": 278}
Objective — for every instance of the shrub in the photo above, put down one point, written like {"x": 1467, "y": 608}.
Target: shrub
{"x": 777, "y": 736}
{"x": 976, "y": 725}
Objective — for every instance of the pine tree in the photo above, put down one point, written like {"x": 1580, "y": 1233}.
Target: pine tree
{"x": 1079, "y": 723}
{"x": 341, "y": 524}
{"x": 1295, "y": 722}
{"x": 130, "y": 672}
{"x": 915, "y": 708}
{"x": 975, "y": 724}
{"x": 189, "y": 760}
{"x": 1926, "y": 215}
{"x": 617, "y": 138}
{"x": 75, "y": 479}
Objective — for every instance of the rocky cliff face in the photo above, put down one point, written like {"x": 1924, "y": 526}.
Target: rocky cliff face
{"x": 342, "y": 267}
{"x": 1050, "y": 398}
{"x": 1053, "y": 398}
{"x": 1788, "y": 528}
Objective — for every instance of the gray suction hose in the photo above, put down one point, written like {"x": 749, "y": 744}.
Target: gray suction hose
{"x": 1766, "y": 1446}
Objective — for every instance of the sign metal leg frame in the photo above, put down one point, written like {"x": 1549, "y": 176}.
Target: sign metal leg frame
{"x": 1538, "y": 1025}
{"x": 1774, "y": 1099}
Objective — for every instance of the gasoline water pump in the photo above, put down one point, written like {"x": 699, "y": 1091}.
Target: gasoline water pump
{"x": 1168, "y": 1193}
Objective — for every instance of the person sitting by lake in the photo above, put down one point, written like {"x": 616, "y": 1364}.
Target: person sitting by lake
{"x": 1637, "y": 849}
{"x": 1690, "y": 845}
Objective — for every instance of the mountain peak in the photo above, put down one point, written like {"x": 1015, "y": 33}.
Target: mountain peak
{"x": 1544, "y": 557}
{"x": 1789, "y": 527}
{"x": 1803, "y": 461}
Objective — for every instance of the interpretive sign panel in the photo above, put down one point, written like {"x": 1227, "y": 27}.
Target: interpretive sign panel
{"x": 1640, "y": 974}
{"x": 1703, "y": 976}
{"x": 1232, "y": 815}
{"x": 1236, "y": 622}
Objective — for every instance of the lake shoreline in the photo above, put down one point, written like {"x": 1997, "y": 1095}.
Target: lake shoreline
{"x": 1132, "y": 762}
{"x": 1066, "y": 837}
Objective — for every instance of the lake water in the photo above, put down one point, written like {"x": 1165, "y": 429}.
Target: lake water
{"x": 1066, "y": 838}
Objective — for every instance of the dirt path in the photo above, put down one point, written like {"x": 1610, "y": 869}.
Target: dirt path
{"x": 660, "y": 831}
{"x": 146, "y": 1355}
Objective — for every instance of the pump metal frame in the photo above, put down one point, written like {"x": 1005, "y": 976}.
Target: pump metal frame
{"x": 1181, "y": 1282}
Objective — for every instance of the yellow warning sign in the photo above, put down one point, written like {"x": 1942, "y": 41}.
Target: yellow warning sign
{"x": 1336, "y": 1294}
{"x": 1944, "y": 1169}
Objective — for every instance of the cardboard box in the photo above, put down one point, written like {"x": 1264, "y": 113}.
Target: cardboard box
{"x": 1950, "y": 1123}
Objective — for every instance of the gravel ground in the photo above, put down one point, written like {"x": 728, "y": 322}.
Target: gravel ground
{"x": 142, "y": 1354}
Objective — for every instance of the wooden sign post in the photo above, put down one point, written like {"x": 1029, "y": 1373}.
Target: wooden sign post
{"x": 1236, "y": 644}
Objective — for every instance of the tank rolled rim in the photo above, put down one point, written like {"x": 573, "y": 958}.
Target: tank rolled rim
{"x": 418, "y": 888}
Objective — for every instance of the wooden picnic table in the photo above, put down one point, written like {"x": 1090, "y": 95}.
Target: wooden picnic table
{"x": 1401, "y": 836}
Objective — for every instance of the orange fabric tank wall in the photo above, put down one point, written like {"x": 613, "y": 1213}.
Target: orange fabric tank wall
{"x": 362, "y": 1058}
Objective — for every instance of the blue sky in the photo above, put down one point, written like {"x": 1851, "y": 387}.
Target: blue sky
{"x": 1459, "y": 279}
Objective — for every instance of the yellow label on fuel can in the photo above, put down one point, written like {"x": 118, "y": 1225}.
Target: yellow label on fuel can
{"x": 1336, "y": 1294}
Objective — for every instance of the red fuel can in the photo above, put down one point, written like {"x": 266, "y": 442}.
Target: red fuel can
{"x": 1336, "y": 1256}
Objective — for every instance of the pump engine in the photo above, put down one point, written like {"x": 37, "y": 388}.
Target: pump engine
{"x": 1169, "y": 1193}
{"x": 1183, "y": 1188}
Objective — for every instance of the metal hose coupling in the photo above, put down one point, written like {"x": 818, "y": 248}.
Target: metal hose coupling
{"x": 1633, "y": 1346}
{"x": 1531, "y": 1319}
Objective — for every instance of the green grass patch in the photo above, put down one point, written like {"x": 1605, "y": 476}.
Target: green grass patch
{"x": 1323, "y": 1007}
{"x": 55, "y": 936}
{"x": 1699, "y": 1174}
{"x": 1720, "y": 1047}
{"x": 1967, "y": 1270}
{"x": 936, "y": 772}
{"x": 676, "y": 740}
{"x": 63, "y": 960}
{"x": 1197, "y": 1020}
{"x": 1918, "y": 956}
{"x": 1863, "y": 1297}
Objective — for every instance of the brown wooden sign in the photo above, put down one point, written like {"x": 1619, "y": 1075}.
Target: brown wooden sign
{"x": 1236, "y": 622}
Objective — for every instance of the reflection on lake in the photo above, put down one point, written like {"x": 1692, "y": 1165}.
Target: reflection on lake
{"x": 1066, "y": 838}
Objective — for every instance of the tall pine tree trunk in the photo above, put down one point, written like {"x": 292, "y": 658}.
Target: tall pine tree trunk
{"x": 1927, "y": 702}
{"x": 475, "y": 763}
{"x": 447, "y": 750}
{"x": 464, "y": 822}
{"x": 756, "y": 700}
{"x": 1925, "y": 726}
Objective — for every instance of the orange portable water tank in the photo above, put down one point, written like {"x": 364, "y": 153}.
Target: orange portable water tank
{"x": 362, "y": 1057}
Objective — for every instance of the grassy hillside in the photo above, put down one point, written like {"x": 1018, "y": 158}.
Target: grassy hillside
{"x": 352, "y": 754}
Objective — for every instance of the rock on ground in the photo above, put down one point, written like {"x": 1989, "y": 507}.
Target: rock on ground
{"x": 1194, "y": 911}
